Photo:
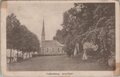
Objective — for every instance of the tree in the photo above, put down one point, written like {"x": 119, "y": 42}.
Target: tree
{"x": 85, "y": 22}
{"x": 19, "y": 37}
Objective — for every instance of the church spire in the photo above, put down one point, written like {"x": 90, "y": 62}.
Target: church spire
{"x": 43, "y": 32}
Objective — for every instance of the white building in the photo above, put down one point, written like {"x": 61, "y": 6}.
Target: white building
{"x": 50, "y": 47}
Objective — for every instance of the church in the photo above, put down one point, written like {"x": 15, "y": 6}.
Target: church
{"x": 50, "y": 47}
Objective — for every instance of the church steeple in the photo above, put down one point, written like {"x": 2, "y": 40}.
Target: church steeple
{"x": 43, "y": 32}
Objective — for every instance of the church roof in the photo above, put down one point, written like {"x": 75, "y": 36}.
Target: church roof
{"x": 51, "y": 43}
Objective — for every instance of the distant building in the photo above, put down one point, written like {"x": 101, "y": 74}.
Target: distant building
{"x": 50, "y": 47}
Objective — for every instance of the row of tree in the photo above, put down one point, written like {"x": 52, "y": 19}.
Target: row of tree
{"x": 19, "y": 37}
{"x": 86, "y": 22}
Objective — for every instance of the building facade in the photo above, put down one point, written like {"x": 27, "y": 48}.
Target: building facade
{"x": 50, "y": 47}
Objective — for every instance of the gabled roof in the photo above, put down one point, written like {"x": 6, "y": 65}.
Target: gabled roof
{"x": 51, "y": 43}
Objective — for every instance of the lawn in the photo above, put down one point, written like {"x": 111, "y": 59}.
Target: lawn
{"x": 57, "y": 63}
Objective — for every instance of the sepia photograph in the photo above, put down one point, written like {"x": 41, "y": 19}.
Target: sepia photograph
{"x": 60, "y": 36}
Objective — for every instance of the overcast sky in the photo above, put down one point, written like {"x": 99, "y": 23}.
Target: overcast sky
{"x": 31, "y": 14}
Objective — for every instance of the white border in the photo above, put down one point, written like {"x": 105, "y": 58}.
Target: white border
{"x": 44, "y": 73}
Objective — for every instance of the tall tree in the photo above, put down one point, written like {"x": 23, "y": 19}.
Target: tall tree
{"x": 19, "y": 37}
{"x": 85, "y": 22}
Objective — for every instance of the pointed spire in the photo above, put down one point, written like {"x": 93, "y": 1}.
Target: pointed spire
{"x": 43, "y": 29}
{"x": 43, "y": 32}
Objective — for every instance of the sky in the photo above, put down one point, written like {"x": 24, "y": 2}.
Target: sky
{"x": 31, "y": 14}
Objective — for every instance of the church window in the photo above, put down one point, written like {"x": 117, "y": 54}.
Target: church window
{"x": 47, "y": 49}
{"x": 53, "y": 49}
{"x": 43, "y": 49}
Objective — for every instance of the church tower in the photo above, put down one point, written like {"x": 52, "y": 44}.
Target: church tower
{"x": 43, "y": 32}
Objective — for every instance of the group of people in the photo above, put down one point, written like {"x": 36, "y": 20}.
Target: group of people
{"x": 14, "y": 55}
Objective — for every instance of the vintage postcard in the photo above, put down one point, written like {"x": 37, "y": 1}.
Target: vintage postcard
{"x": 60, "y": 38}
